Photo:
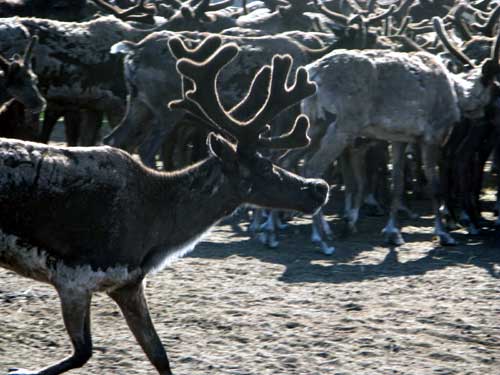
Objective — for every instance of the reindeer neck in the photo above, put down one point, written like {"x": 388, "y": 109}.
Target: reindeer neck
{"x": 192, "y": 200}
{"x": 472, "y": 95}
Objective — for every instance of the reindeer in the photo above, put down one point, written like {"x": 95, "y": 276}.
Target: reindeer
{"x": 398, "y": 97}
{"x": 18, "y": 82}
{"x": 71, "y": 209}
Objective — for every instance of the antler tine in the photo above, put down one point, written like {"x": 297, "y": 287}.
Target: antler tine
{"x": 245, "y": 109}
{"x": 295, "y": 138}
{"x": 140, "y": 6}
{"x": 207, "y": 101}
{"x": 281, "y": 97}
{"x": 491, "y": 66}
{"x": 337, "y": 17}
{"x": 139, "y": 12}
{"x": 355, "y": 6}
{"x": 382, "y": 15}
{"x": 201, "y": 8}
{"x": 176, "y": 4}
{"x": 116, "y": 11}
{"x": 495, "y": 50}
{"x": 487, "y": 28}
{"x": 201, "y": 52}
{"x": 29, "y": 50}
{"x": 440, "y": 31}
{"x": 404, "y": 25}
{"x": 220, "y": 5}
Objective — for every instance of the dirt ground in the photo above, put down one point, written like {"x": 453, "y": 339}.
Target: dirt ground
{"x": 235, "y": 307}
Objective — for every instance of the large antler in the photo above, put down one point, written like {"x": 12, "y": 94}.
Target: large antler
{"x": 204, "y": 102}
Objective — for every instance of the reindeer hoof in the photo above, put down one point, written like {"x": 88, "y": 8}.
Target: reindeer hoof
{"x": 347, "y": 229}
{"x": 268, "y": 239}
{"x": 394, "y": 238}
{"x": 327, "y": 250}
{"x": 272, "y": 242}
{"x": 446, "y": 240}
{"x": 262, "y": 238}
{"x": 20, "y": 371}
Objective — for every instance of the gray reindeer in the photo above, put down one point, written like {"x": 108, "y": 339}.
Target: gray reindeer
{"x": 398, "y": 97}
{"x": 95, "y": 219}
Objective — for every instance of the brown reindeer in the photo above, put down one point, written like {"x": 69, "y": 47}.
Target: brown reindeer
{"x": 95, "y": 219}
{"x": 18, "y": 82}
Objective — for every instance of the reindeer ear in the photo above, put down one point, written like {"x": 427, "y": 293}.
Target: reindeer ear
{"x": 221, "y": 149}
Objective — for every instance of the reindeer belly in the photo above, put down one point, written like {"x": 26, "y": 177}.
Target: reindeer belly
{"x": 36, "y": 263}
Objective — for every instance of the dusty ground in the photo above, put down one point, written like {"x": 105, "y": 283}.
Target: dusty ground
{"x": 234, "y": 307}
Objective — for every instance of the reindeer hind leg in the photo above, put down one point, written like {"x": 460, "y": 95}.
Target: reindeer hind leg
{"x": 75, "y": 308}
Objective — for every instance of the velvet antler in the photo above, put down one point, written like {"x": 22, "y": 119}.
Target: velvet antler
{"x": 268, "y": 96}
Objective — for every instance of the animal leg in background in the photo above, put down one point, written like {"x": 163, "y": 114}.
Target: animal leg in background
{"x": 391, "y": 231}
{"x": 352, "y": 163}
{"x": 315, "y": 166}
{"x": 89, "y": 127}
{"x": 430, "y": 155}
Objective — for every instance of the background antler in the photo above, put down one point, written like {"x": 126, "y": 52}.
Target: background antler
{"x": 29, "y": 51}
{"x": 441, "y": 32}
{"x": 139, "y": 12}
{"x": 268, "y": 83}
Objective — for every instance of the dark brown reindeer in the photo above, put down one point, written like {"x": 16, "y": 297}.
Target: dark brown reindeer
{"x": 18, "y": 82}
{"x": 71, "y": 209}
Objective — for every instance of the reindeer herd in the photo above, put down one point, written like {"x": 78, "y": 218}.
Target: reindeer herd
{"x": 228, "y": 105}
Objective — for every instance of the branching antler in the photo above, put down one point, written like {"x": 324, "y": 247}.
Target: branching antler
{"x": 441, "y": 32}
{"x": 220, "y": 5}
{"x": 268, "y": 96}
{"x": 356, "y": 18}
{"x": 488, "y": 27}
{"x": 139, "y": 12}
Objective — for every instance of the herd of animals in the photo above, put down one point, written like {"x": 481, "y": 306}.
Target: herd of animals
{"x": 239, "y": 105}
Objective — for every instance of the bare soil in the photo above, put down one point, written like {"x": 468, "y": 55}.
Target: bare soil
{"x": 235, "y": 307}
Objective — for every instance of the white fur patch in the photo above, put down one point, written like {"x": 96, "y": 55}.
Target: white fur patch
{"x": 124, "y": 47}
{"x": 176, "y": 253}
{"x": 36, "y": 263}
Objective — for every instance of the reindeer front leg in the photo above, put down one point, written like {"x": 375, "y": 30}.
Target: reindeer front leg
{"x": 75, "y": 307}
{"x": 133, "y": 305}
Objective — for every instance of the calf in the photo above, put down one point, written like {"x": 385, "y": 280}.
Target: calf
{"x": 19, "y": 96}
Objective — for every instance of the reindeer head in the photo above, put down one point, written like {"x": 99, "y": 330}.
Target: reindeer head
{"x": 474, "y": 86}
{"x": 242, "y": 132}
{"x": 20, "y": 82}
